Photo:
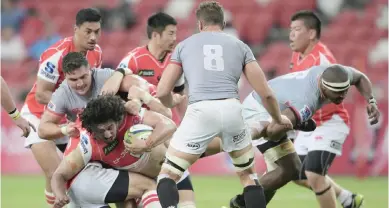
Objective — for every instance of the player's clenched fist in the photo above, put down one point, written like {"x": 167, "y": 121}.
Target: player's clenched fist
{"x": 70, "y": 130}
{"x": 61, "y": 201}
{"x": 372, "y": 111}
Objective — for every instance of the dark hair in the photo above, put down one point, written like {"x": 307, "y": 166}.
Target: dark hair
{"x": 72, "y": 61}
{"x": 87, "y": 15}
{"x": 102, "y": 109}
{"x": 211, "y": 12}
{"x": 311, "y": 20}
{"x": 158, "y": 22}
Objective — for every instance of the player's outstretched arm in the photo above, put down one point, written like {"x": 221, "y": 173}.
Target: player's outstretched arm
{"x": 50, "y": 129}
{"x": 257, "y": 80}
{"x": 362, "y": 83}
{"x": 364, "y": 86}
{"x": 164, "y": 128}
{"x": 153, "y": 103}
{"x": 6, "y": 99}
{"x": 170, "y": 77}
{"x": 115, "y": 83}
{"x": 9, "y": 105}
{"x": 67, "y": 169}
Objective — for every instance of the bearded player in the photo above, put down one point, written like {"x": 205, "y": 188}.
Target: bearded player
{"x": 50, "y": 75}
{"x": 99, "y": 159}
{"x": 332, "y": 120}
{"x": 70, "y": 99}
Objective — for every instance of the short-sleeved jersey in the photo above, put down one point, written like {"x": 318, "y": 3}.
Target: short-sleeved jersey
{"x": 320, "y": 55}
{"x": 50, "y": 69}
{"x": 141, "y": 62}
{"x": 212, "y": 63}
{"x": 300, "y": 91}
{"x": 114, "y": 154}
{"x": 66, "y": 101}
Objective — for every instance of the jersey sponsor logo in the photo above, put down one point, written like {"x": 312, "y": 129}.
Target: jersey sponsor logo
{"x": 84, "y": 143}
{"x": 336, "y": 145}
{"x": 239, "y": 138}
{"x": 49, "y": 68}
{"x": 146, "y": 72}
{"x": 48, "y": 75}
{"x": 51, "y": 106}
{"x": 111, "y": 146}
{"x": 193, "y": 146}
{"x": 305, "y": 113}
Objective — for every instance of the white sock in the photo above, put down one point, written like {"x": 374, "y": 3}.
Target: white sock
{"x": 345, "y": 197}
{"x": 150, "y": 200}
{"x": 50, "y": 198}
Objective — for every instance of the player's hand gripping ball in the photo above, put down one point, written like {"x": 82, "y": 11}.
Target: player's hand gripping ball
{"x": 135, "y": 138}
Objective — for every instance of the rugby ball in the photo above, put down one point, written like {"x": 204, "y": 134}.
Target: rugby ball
{"x": 138, "y": 131}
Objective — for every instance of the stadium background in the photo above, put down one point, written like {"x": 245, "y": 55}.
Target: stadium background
{"x": 356, "y": 31}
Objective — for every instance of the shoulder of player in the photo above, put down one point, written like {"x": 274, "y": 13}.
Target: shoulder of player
{"x": 98, "y": 48}
{"x": 86, "y": 143}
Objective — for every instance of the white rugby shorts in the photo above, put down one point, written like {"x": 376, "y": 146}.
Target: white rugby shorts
{"x": 329, "y": 137}
{"x": 206, "y": 120}
{"x": 33, "y": 138}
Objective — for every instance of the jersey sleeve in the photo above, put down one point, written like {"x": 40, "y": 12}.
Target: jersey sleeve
{"x": 176, "y": 55}
{"x": 57, "y": 103}
{"x": 49, "y": 65}
{"x": 248, "y": 55}
{"x": 302, "y": 111}
{"x": 129, "y": 62}
{"x": 85, "y": 147}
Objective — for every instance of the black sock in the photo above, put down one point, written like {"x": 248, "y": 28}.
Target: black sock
{"x": 254, "y": 197}
{"x": 167, "y": 193}
{"x": 240, "y": 200}
{"x": 269, "y": 195}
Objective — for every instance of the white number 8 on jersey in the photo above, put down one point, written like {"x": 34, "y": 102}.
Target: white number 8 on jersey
{"x": 213, "y": 57}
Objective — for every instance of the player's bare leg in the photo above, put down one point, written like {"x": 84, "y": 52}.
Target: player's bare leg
{"x": 325, "y": 194}
{"x": 243, "y": 161}
{"x": 142, "y": 187}
{"x": 152, "y": 168}
{"x": 46, "y": 155}
{"x": 344, "y": 196}
{"x": 173, "y": 168}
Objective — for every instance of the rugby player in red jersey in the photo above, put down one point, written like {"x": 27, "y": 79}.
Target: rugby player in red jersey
{"x": 50, "y": 75}
{"x": 113, "y": 170}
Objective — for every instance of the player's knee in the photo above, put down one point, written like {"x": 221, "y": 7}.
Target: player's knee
{"x": 173, "y": 167}
{"x": 316, "y": 181}
{"x": 244, "y": 162}
{"x": 188, "y": 204}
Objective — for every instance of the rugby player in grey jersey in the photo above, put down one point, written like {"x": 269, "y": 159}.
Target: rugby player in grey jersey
{"x": 300, "y": 94}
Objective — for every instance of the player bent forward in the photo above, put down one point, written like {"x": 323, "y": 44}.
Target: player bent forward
{"x": 316, "y": 86}
{"x": 99, "y": 169}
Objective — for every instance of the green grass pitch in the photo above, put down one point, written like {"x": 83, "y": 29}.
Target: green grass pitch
{"x": 211, "y": 192}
